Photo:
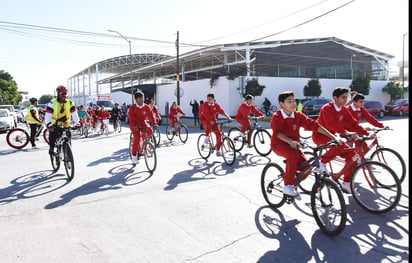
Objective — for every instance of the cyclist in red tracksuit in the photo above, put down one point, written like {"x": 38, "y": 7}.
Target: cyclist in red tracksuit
{"x": 174, "y": 110}
{"x": 243, "y": 114}
{"x": 208, "y": 117}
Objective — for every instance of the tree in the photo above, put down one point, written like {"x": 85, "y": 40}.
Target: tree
{"x": 45, "y": 99}
{"x": 394, "y": 89}
{"x": 253, "y": 88}
{"x": 313, "y": 88}
{"x": 8, "y": 89}
{"x": 361, "y": 84}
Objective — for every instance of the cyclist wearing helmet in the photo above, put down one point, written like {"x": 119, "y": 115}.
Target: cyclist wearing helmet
{"x": 59, "y": 112}
{"x": 33, "y": 120}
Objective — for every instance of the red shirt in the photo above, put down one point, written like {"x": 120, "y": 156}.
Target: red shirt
{"x": 139, "y": 114}
{"x": 245, "y": 110}
{"x": 209, "y": 112}
{"x": 173, "y": 112}
{"x": 336, "y": 122}
{"x": 290, "y": 126}
{"x": 363, "y": 113}
{"x": 103, "y": 114}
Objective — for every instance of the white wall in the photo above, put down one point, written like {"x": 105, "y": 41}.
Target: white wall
{"x": 227, "y": 92}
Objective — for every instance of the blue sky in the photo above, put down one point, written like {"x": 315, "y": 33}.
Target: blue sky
{"x": 41, "y": 60}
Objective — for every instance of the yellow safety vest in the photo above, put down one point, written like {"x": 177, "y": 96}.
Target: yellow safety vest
{"x": 300, "y": 107}
{"x": 57, "y": 115}
{"x": 30, "y": 118}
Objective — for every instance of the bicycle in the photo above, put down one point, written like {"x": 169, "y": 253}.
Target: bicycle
{"x": 180, "y": 130}
{"x": 82, "y": 129}
{"x": 206, "y": 147}
{"x": 146, "y": 149}
{"x": 18, "y": 138}
{"x": 326, "y": 198}
{"x": 117, "y": 124}
{"x": 268, "y": 111}
{"x": 63, "y": 152}
{"x": 374, "y": 185}
{"x": 261, "y": 138}
{"x": 105, "y": 129}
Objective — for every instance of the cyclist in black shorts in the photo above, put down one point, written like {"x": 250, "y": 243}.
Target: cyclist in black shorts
{"x": 116, "y": 113}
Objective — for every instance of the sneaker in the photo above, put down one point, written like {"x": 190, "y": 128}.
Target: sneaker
{"x": 218, "y": 153}
{"x": 250, "y": 146}
{"x": 322, "y": 167}
{"x": 34, "y": 147}
{"x": 135, "y": 160}
{"x": 290, "y": 190}
{"x": 346, "y": 187}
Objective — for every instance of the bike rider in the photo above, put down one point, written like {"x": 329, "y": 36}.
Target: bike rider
{"x": 116, "y": 113}
{"x": 266, "y": 106}
{"x": 59, "y": 112}
{"x": 103, "y": 115}
{"x": 243, "y": 114}
{"x": 34, "y": 121}
{"x": 138, "y": 113}
{"x": 174, "y": 110}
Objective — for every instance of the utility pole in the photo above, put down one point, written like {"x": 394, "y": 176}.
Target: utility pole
{"x": 403, "y": 64}
{"x": 177, "y": 70}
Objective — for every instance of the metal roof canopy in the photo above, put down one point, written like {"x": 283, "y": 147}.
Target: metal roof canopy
{"x": 201, "y": 63}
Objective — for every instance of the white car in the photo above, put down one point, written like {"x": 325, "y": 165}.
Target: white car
{"x": 6, "y": 120}
{"x": 12, "y": 112}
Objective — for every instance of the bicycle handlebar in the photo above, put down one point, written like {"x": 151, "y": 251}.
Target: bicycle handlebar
{"x": 318, "y": 147}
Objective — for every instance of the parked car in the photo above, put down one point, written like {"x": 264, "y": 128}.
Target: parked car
{"x": 398, "y": 107}
{"x": 12, "y": 112}
{"x": 6, "y": 120}
{"x": 375, "y": 108}
{"x": 312, "y": 107}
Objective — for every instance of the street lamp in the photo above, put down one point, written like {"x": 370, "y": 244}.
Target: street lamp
{"x": 131, "y": 61}
{"x": 351, "y": 66}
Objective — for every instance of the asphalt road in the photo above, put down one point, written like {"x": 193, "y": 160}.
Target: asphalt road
{"x": 188, "y": 210}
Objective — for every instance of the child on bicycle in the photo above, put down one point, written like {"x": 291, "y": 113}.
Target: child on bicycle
{"x": 336, "y": 118}
{"x": 285, "y": 124}
{"x": 174, "y": 110}
{"x": 83, "y": 115}
{"x": 138, "y": 113}
{"x": 92, "y": 116}
{"x": 102, "y": 116}
{"x": 243, "y": 114}
{"x": 208, "y": 117}
{"x": 155, "y": 110}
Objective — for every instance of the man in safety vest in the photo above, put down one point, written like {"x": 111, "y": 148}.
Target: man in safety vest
{"x": 59, "y": 112}
{"x": 33, "y": 120}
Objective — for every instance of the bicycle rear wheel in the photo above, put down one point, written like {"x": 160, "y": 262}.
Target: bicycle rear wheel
{"x": 271, "y": 183}
{"x": 68, "y": 160}
{"x": 46, "y": 135}
{"x": 169, "y": 132}
{"x": 228, "y": 151}
{"x": 375, "y": 187}
{"x": 183, "y": 133}
{"x": 204, "y": 148}
{"x": 328, "y": 206}
{"x": 17, "y": 138}
{"x": 304, "y": 134}
{"x": 150, "y": 157}
{"x": 261, "y": 141}
{"x": 237, "y": 139}
{"x": 391, "y": 158}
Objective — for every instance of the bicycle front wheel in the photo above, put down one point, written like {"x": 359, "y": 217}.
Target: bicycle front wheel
{"x": 156, "y": 136}
{"x": 46, "y": 135}
{"x": 261, "y": 141}
{"x": 183, "y": 133}
{"x": 237, "y": 139}
{"x": 393, "y": 159}
{"x": 271, "y": 183}
{"x": 17, "y": 138}
{"x": 131, "y": 140}
{"x": 228, "y": 151}
{"x": 204, "y": 147}
{"x": 375, "y": 187}
{"x": 85, "y": 131}
{"x": 150, "y": 157}
{"x": 55, "y": 159}
{"x": 328, "y": 206}
{"x": 169, "y": 132}
{"x": 68, "y": 160}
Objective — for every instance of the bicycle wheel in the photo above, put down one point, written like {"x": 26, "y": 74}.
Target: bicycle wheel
{"x": 237, "y": 139}
{"x": 17, "y": 138}
{"x": 156, "y": 136}
{"x": 119, "y": 126}
{"x": 261, "y": 141}
{"x": 228, "y": 151}
{"x": 391, "y": 158}
{"x": 328, "y": 206}
{"x": 304, "y": 134}
{"x": 106, "y": 130}
{"x": 55, "y": 159}
{"x": 375, "y": 187}
{"x": 183, "y": 133}
{"x": 115, "y": 125}
{"x": 169, "y": 132}
{"x": 85, "y": 131}
{"x": 46, "y": 135}
{"x": 68, "y": 160}
{"x": 131, "y": 140}
{"x": 204, "y": 149}
{"x": 273, "y": 109}
{"x": 306, "y": 185}
{"x": 150, "y": 156}
{"x": 271, "y": 183}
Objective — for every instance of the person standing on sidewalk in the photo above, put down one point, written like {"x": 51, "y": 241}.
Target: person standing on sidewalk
{"x": 195, "y": 111}
{"x": 200, "y": 113}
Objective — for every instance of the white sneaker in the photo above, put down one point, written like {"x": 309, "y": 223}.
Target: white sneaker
{"x": 242, "y": 134}
{"x": 290, "y": 190}
{"x": 135, "y": 160}
{"x": 322, "y": 167}
{"x": 206, "y": 141}
{"x": 346, "y": 187}
{"x": 218, "y": 153}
